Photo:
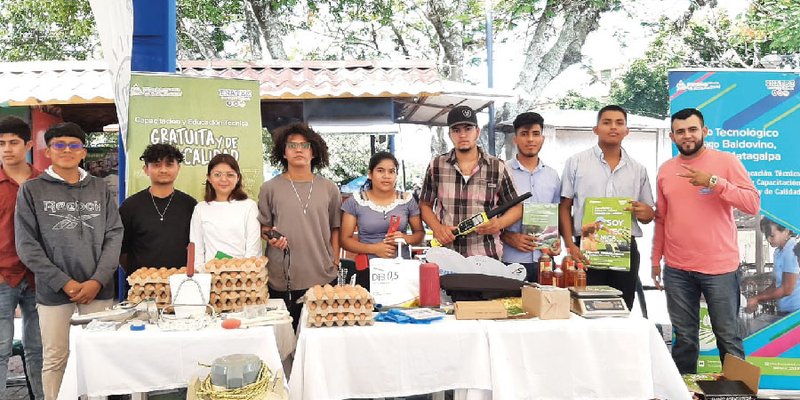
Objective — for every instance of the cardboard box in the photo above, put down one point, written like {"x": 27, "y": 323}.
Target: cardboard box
{"x": 488, "y": 309}
{"x": 739, "y": 381}
{"x": 546, "y": 302}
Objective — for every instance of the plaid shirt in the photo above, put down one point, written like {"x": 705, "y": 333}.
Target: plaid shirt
{"x": 456, "y": 198}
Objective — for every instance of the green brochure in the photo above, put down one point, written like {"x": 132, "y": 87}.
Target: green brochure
{"x": 541, "y": 220}
{"x": 606, "y": 233}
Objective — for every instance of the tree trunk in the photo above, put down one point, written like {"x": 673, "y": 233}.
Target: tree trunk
{"x": 266, "y": 15}
{"x": 542, "y": 67}
{"x": 440, "y": 14}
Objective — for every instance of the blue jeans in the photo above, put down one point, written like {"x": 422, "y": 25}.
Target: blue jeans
{"x": 683, "y": 289}
{"x": 25, "y": 297}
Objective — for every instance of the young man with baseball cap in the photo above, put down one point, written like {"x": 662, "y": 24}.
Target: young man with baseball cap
{"x": 464, "y": 182}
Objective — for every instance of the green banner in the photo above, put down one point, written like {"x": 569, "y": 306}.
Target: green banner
{"x": 202, "y": 117}
{"x": 606, "y": 233}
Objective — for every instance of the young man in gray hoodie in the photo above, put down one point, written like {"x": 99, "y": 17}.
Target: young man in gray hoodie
{"x": 68, "y": 232}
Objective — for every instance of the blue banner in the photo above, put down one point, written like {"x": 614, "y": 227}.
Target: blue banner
{"x": 754, "y": 114}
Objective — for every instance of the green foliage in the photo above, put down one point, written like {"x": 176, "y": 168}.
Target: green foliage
{"x": 643, "y": 89}
{"x": 576, "y": 101}
{"x": 349, "y": 157}
{"x": 777, "y": 22}
{"x": 210, "y": 16}
{"x": 47, "y": 30}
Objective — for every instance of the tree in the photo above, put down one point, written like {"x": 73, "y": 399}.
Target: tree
{"x": 576, "y": 101}
{"x": 777, "y": 22}
{"x": 349, "y": 156}
{"x": 47, "y": 30}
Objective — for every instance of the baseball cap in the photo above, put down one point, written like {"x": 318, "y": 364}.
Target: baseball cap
{"x": 462, "y": 115}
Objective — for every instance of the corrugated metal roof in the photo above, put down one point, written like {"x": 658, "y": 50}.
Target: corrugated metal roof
{"x": 55, "y": 82}
{"x": 326, "y": 79}
{"x": 71, "y": 82}
{"x": 424, "y": 95}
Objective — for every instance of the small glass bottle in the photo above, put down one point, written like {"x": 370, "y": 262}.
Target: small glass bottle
{"x": 545, "y": 263}
{"x": 580, "y": 276}
{"x": 570, "y": 273}
{"x": 558, "y": 277}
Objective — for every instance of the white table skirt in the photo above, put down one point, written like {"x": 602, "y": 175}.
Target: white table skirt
{"x": 124, "y": 361}
{"x": 390, "y": 360}
{"x": 609, "y": 358}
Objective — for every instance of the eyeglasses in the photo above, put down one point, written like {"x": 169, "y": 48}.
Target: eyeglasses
{"x": 298, "y": 145}
{"x": 229, "y": 175}
{"x": 61, "y": 146}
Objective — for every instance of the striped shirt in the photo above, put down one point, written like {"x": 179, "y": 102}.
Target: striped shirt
{"x": 456, "y": 197}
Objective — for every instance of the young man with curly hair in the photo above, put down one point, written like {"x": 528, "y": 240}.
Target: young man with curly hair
{"x": 305, "y": 208}
{"x": 157, "y": 219}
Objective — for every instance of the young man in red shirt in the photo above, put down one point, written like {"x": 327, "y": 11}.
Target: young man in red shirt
{"x": 16, "y": 281}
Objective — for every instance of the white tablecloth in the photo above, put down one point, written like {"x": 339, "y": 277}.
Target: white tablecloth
{"x": 609, "y": 358}
{"x": 390, "y": 360}
{"x": 124, "y": 361}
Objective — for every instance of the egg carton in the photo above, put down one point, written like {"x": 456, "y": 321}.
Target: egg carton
{"x": 340, "y": 319}
{"x": 237, "y": 275}
{"x": 147, "y": 275}
{"x": 238, "y": 285}
{"x": 149, "y": 287}
{"x": 340, "y": 292}
{"x": 251, "y": 264}
{"x": 325, "y": 308}
{"x": 230, "y": 305}
{"x": 252, "y": 295}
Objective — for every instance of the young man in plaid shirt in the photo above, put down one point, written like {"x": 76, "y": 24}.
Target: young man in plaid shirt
{"x": 463, "y": 182}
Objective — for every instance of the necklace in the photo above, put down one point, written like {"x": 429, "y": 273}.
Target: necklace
{"x": 308, "y": 200}
{"x": 161, "y": 214}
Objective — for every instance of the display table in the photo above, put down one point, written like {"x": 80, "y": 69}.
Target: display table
{"x": 390, "y": 360}
{"x": 124, "y": 361}
{"x": 608, "y": 358}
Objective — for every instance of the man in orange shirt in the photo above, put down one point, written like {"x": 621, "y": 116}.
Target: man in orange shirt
{"x": 16, "y": 281}
{"x": 695, "y": 234}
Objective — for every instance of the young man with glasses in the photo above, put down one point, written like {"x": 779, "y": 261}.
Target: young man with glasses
{"x": 157, "y": 219}
{"x": 68, "y": 232}
{"x": 695, "y": 234}
{"x": 17, "y": 286}
{"x": 464, "y": 182}
{"x": 306, "y": 209}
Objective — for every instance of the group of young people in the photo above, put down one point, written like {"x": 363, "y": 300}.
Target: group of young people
{"x": 67, "y": 237}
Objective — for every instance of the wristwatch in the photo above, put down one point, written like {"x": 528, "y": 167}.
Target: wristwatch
{"x": 712, "y": 181}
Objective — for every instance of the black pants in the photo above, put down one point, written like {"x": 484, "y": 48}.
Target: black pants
{"x": 625, "y": 281}
{"x": 290, "y": 298}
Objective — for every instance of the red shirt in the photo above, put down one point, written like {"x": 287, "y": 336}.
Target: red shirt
{"x": 11, "y": 267}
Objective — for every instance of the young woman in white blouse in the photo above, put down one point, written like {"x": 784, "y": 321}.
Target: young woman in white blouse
{"x": 226, "y": 222}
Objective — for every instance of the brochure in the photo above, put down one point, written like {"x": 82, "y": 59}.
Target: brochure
{"x": 606, "y": 233}
{"x": 541, "y": 220}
